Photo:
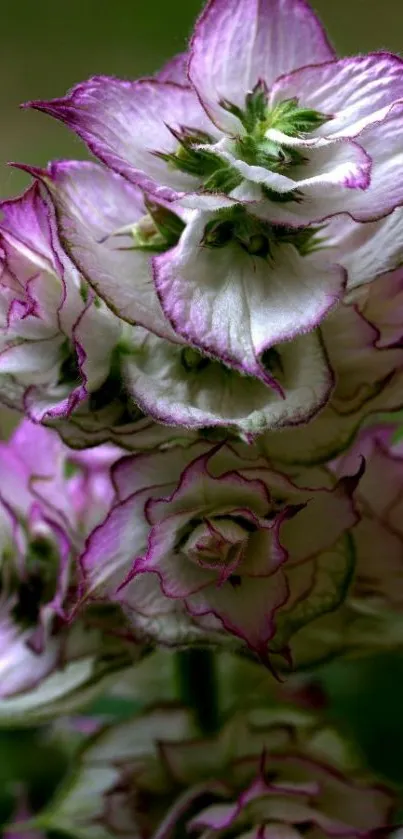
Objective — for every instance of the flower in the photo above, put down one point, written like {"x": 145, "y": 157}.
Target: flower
{"x": 179, "y": 385}
{"x": 49, "y": 502}
{"x": 211, "y": 543}
{"x": 370, "y": 618}
{"x": 169, "y": 380}
{"x": 264, "y": 143}
{"x": 363, "y": 341}
{"x": 61, "y": 347}
{"x": 267, "y": 112}
{"x": 49, "y": 319}
{"x": 266, "y": 772}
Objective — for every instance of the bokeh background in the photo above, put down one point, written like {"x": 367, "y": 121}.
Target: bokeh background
{"x": 46, "y": 46}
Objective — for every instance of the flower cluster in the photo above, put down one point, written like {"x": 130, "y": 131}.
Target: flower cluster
{"x": 268, "y": 773}
{"x": 204, "y": 330}
{"x": 50, "y": 500}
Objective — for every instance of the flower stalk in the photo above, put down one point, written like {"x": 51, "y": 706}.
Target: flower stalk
{"x": 198, "y": 686}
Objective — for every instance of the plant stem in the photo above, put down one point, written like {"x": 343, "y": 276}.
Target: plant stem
{"x": 197, "y": 686}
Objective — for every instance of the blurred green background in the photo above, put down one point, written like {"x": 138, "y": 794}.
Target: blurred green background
{"x": 48, "y": 46}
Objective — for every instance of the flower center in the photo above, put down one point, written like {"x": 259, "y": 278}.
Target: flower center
{"x": 195, "y": 151}
{"x": 287, "y": 117}
{"x": 38, "y": 584}
{"x": 218, "y": 544}
{"x": 235, "y": 224}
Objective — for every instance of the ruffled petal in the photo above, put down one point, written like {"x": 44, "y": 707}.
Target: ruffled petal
{"x": 246, "y": 611}
{"x": 26, "y": 224}
{"x": 87, "y": 224}
{"x": 210, "y": 394}
{"x": 235, "y": 306}
{"x": 368, "y": 380}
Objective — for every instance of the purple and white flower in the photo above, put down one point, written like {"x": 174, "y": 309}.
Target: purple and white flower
{"x": 210, "y": 543}
{"x": 61, "y": 347}
{"x": 50, "y": 500}
{"x": 268, "y": 115}
{"x": 110, "y": 231}
{"x": 265, "y": 773}
{"x": 50, "y": 323}
{"x": 363, "y": 341}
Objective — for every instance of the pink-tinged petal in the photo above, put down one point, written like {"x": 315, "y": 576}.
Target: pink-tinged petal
{"x": 20, "y": 668}
{"x": 233, "y": 305}
{"x": 238, "y": 42}
{"x": 87, "y": 224}
{"x": 383, "y": 194}
{"x": 26, "y": 223}
{"x": 86, "y": 428}
{"x": 34, "y": 312}
{"x": 175, "y": 70}
{"x": 95, "y": 354}
{"x": 39, "y": 449}
{"x": 382, "y": 303}
{"x": 14, "y": 478}
{"x": 178, "y": 576}
{"x": 124, "y": 123}
{"x": 134, "y": 473}
{"x": 380, "y": 500}
{"x": 332, "y": 431}
{"x": 45, "y": 404}
{"x": 354, "y": 92}
{"x": 340, "y": 167}
{"x": 164, "y": 387}
{"x": 368, "y": 380}
{"x": 366, "y": 250}
{"x": 360, "y": 367}
{"x": 35, "y": 360}
{"x": 247, "y": 610}
{"x": 114, "y": 545}
{"x": 323, "y": 519}
{"x": 199, "y": 488}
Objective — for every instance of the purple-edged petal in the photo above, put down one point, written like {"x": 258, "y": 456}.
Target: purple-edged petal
{"x": 366, "y": 250}
{"x": 354, "y": 92}
{"x": 122, "y": 536}
{"x": 383, "y": 194}
{"x": 382, "y": 305}
{"x": 246, "y": 611}
{"x": 164, "y": 387}
{"x": 95, "y": 354}
{"x": 368, "y": 380}
{"x": 92, "y": 205}
{"x": 342, "y": 166}
{"x": 233, "y": 305}
{"x": 124, "y": 123}
{"x": 26, "y": 224}
{"x": 239, "y": 42}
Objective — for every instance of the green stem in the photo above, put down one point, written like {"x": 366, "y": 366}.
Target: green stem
{"x": 197, "y": 686}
